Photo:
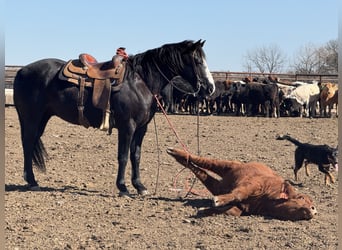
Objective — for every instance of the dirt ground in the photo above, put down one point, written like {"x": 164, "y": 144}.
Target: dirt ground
{"x": 79, "y": 208}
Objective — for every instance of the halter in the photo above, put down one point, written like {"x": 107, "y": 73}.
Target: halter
{"x": 199, "y": 82}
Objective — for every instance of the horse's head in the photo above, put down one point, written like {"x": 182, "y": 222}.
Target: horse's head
{"x": 190, "y": 72}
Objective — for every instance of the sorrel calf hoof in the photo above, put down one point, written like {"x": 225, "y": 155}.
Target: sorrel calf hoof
{"x": 216, "y": 202}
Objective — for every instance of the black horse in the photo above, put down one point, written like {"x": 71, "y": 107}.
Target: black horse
{"x": 40, "y": 94}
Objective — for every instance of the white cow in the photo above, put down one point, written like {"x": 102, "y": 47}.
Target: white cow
{"x": 308, "y": 96}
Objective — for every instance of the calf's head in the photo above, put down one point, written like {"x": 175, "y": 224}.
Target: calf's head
{"x": 298, "y": 208}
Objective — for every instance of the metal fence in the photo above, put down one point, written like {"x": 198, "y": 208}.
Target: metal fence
{"x": 236, "y": 76}
{"x": 11, "y": 71}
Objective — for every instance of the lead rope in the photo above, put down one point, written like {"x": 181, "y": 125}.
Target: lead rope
{"x": 190, "y": 189}
{"x": 198, "y": 152}
{"x": 158, "y": 160}
{"x": 157, "y": 142}
{"x": 171, "y": 125}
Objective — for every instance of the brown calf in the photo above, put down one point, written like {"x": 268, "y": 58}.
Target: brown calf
{"x": 328, "y": 97}
{"x": 246, "y": 188}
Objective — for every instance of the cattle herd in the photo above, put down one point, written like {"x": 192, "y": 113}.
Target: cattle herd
{"x": 267, "y": 97}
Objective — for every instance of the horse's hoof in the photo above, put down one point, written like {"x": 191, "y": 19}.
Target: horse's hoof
{"x": 35, "y": 188}
{"x": 143, "y": 192}
{"x": 124, "y": 194}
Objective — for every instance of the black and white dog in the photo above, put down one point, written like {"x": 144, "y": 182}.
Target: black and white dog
{"x": 322, "y": 155}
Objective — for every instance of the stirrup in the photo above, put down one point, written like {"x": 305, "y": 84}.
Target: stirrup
{"x": 105, "y": 121}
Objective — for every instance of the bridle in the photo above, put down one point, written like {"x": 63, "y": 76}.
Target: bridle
{"x": 198, "y": 78}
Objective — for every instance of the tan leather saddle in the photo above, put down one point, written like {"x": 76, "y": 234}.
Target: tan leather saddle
{"x": 88, "y": 72}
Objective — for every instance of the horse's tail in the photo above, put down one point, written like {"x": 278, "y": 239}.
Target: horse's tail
{"x": 39, "y": 153}
{"x": 289, "y": 138}
{"x": 24, "y": 109}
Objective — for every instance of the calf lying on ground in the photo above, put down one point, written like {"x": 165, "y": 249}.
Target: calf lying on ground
{"x": 246, "y": 188}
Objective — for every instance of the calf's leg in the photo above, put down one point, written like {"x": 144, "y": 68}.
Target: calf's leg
{"x": 237, "y": 195}
{"x": 218, "y": 167}
{"x": 231, "y": 210}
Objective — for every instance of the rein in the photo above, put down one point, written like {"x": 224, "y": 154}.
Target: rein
{"x": 178, "y": 88}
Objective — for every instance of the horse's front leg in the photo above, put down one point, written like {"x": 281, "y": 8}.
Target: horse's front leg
{"x": 123, "y": 147}
{"x": 135, "y": 156}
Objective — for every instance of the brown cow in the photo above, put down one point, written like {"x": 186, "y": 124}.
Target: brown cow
{"x": 246, "y": 188}
{"x": 328, "y": 97}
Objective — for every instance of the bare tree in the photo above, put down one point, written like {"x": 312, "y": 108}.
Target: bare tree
{"x": 312, "y": 59}
{"x": 331, "y": 58}
{"x": 266, "y": 59}
{"x": 305, "y": 61}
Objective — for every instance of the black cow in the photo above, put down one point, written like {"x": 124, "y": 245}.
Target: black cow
{"x": 264, "y": 95}
{"x": 239, "y": 97}
{"x": 255, "y": 95}
{"x": 172, "y": 99}
{"x": 291, "y": 107}
{"x": 216, "y": 100}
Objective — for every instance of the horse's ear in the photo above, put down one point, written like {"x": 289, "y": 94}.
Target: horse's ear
{"x": 192, "y": 46}
{"x": 199, "y": 43}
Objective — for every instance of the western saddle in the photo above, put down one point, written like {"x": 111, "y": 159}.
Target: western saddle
{"x": 102, "y": 77}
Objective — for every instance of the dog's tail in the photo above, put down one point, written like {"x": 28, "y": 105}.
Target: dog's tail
{"x": 289, "y": 138}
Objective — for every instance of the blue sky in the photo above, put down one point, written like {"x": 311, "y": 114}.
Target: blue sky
{"x": 63, "y": 29}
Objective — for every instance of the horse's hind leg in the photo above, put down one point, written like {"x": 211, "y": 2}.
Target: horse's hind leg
{"x": 31, "y": 131}
{"x": 28, "y": 137}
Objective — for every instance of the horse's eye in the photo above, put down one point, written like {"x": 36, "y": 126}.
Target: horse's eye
{"x": 197, "y": 60}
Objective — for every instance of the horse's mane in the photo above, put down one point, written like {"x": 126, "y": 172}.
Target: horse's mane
{"x": 169, "y": 55}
